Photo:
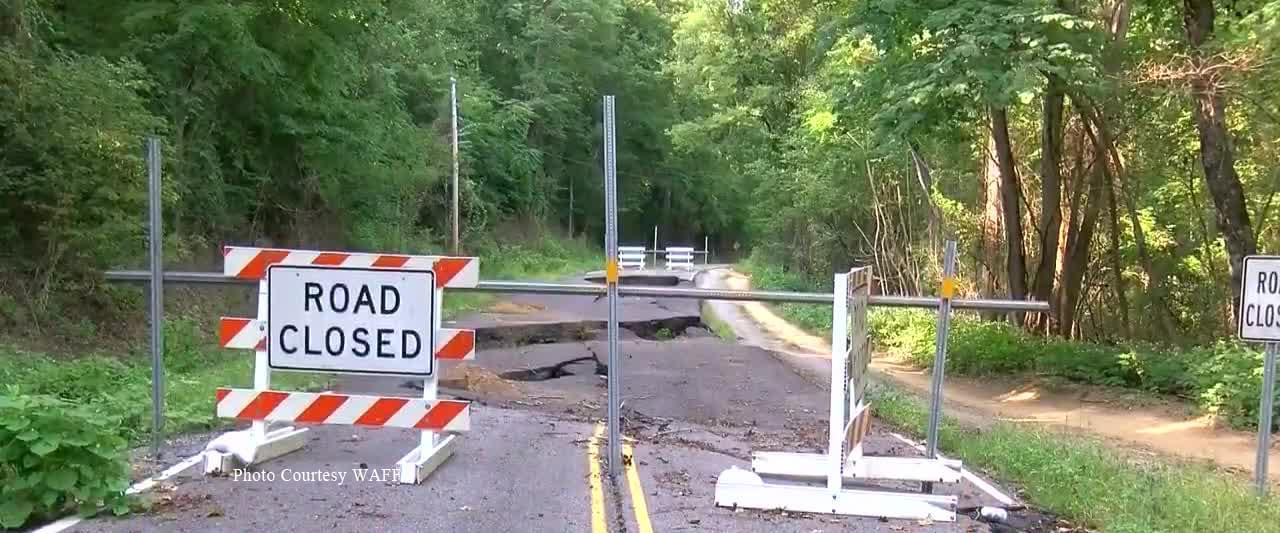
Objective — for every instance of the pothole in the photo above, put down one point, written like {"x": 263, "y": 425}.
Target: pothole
{"x": 663, "y": 329}
{"x": 559, "y": 370}
{"x": 642, "y": 280}
{"x": 558, "y": 332}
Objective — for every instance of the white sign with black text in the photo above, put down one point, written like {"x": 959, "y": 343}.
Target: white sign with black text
{"x": 1260, "y": 299}
{"x": 351, "y": 320}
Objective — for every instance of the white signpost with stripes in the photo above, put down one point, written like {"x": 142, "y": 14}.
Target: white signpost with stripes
{"x": 345, "y": 313}
{"x": 849, "y": 424}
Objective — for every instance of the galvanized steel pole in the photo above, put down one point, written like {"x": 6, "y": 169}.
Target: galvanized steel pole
{"x": 1264, "y": 417}
{"x": 611, "y": 258}
{"x": 155, "y": 238}
{"x": 453, "y": 105}
{"x": 940, "y": 353}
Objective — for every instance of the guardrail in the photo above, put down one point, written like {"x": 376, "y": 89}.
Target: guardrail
{"x": 596, "y": 289}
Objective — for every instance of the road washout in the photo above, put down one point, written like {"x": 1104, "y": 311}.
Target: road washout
{"x": 1158, "y": 427}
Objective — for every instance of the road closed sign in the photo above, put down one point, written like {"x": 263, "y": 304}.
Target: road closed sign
{"x": 351, "y": 320}
{"x": 1260, "y": 299}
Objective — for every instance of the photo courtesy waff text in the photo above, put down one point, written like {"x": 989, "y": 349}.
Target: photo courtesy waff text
{"x": 351, "y": 320}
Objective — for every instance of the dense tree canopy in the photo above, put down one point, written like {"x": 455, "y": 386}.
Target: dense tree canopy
{"x": 1115, "y": 157}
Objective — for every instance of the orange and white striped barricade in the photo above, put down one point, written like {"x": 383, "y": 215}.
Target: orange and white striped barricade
{"x": 849, "y": 424}
{"x": 353, "y": 341}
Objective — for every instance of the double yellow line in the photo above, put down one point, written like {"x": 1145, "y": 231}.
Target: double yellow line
{"x": 638, "y": 504}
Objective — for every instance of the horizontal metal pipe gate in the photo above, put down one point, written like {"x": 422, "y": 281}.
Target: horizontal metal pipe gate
{"x": 592, "y": 289}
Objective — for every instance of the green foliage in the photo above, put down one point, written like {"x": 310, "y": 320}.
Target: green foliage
{"x": 1089, "y": 483}
{"x": 120, "y": 388}
{"x": 71, "y": 182}
{"x": 765, "y": 276}
{"x": 56, "y": 456}
{"x": 1223, "y": 379}
{"x": 541, "y": 257}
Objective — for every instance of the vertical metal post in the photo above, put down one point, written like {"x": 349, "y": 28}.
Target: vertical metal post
{"x": 946, "y": 291}
{"x": 155, "y": 237}
{"x": 611, "y": 253}
{"x": 706, "y": 250}
{"x": 453, "y": 106}
{"x": 431, "y": 385}
{"x": 655, "y": 247}
{"x": 1264, "y": 416}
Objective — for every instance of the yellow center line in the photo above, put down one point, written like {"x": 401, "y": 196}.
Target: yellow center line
{"x": 597, "y": 484}
{"x": 637, "y": 492}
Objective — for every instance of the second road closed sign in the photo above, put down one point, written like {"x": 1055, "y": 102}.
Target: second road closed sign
{"x": 1260, "y": 299}
{"x": 351, "y": 320}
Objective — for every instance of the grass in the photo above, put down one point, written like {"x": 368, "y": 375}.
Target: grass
{"x": 1087, "y": 483}
{"x": 721, "y": 328}
{"x": 120, "y": 387}
{"x": 547, "y": 258}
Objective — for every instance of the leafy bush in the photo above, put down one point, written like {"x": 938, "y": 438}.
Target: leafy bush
{"x": 1223, "y": 379}
{"x": 57, "y": 456}
{"x": 1228, "y": 378}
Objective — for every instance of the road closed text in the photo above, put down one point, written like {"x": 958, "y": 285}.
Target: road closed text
{"x": 340, "y": 298}
{"x": 1266, "y": 314}
{"x": 352, "y": 320}
{"x": 1260, "y": 299}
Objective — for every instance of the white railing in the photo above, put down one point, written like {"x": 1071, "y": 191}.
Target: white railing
{"x": 680, "y": 258}
{"x": 631, "y": 257}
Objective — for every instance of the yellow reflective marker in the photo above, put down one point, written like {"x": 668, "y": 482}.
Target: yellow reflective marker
{"x": 597, "y": 483}
{"x": 948, "y": 287}
{"x": 638, "y": 503}
{"x": 611, "y": 271}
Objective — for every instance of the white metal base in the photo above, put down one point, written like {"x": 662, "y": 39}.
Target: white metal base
{"x": 418, "y": 464}
{"x": 815, "y": 466}
{"x": 741, "y": 488}
{"x": 242, "y": 451}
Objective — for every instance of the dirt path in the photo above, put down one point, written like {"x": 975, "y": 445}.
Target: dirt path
{"x": 1156, "y": 426}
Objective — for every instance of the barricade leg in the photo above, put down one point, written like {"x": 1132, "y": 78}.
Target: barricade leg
{"x": 433, "y": 449}
{"x": 814, "y": 482}
{"x": 258, "y": 444}
{"x": 741, "y": 488}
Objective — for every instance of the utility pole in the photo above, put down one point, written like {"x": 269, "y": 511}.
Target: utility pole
{"x": 453, "y": 105}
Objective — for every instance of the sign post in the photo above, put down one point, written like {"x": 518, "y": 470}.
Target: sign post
{"x": 1259, "y": 321}
{"x": 940, "y": 353}
{"x": 155, "y": 244}
{"x": 614, "y": 411}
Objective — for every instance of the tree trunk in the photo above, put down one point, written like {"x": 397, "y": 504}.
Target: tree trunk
{"x": 1010, "y": 192}
{"x": 925, "y": 176}
{"x": 1216, "y": 153}
{"x": 1050, "y": 194}
{"x": 13, "y": 25}
{"x": 1122, "y": 298}
{"x": 1078, "y": 253}
{"x": 992, "y": 215}
{"x": 1114, "y": 169}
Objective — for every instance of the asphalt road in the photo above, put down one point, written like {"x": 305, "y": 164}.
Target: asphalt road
{"x": 694, "y": 405}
